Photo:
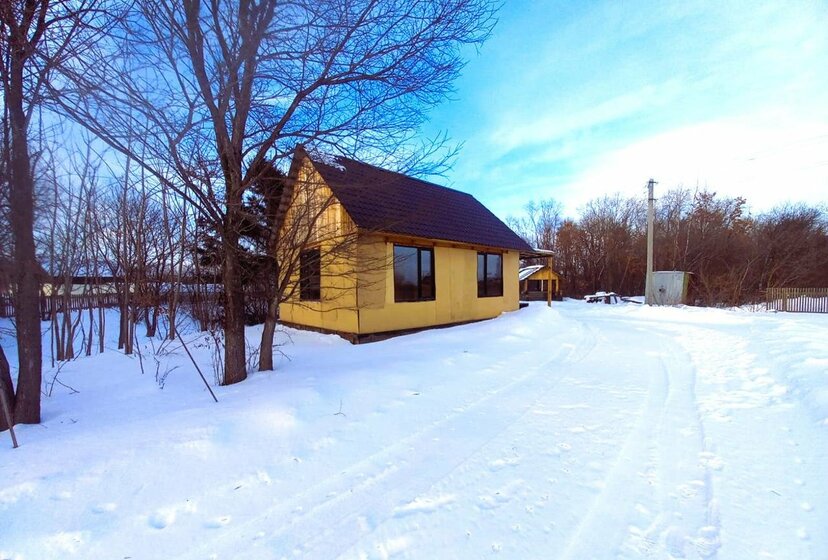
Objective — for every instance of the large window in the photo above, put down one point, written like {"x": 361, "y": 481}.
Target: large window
{"x": 310, "y": 274}
{"x": 489, "y": 274}
{"x": 413, "y": 273}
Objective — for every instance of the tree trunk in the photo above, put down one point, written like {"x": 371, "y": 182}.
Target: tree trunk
{"x": 151, "y": 320}
{"x": 7, "y": 389}
{"x": 175, "y": 296}
{"x": 266, "y": 345}
{"x": 234, "y": 344}
{"x": 57, "y": 354}
{"x": 68, "y": 330}
{"x": 90, "y": 336}
{"x": 123, "y": 309}
{"x": 101, "y": 329}
{"x": 127, "y": 321}
{"x": 26, "y": 277}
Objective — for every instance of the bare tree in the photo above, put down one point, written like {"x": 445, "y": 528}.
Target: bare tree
{"x": 792, "y": 244}
{"x": 540, "y": 224}
{"x": 213, "y": 90}
{"x": 614, "y": 232}
{"x": 37, "y": 38}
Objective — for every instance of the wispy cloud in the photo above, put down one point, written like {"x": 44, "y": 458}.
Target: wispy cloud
{"x": 573, "y": 100}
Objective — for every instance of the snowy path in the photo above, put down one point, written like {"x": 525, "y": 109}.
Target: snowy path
{"x": 324, "y": 520}
{"x": 658, "y": 493}
{"x": 578, "y": 432}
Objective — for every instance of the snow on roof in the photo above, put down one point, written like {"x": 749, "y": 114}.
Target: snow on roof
{"x": 528, "y": 271}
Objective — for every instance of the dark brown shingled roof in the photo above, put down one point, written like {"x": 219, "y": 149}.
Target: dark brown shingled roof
{"x": 381, "y": 200}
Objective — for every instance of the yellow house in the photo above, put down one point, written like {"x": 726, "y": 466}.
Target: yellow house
{"x": 370, "y": 253}
{"x": 535, "y": 280}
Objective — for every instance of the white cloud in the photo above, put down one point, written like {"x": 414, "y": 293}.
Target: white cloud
{"x": 768, "y": 160}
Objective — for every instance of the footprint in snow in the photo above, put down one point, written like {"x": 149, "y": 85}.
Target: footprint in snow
{"x": 501, "y": 496}
{"x": 707, "y": 542}
{"x": 709, "y": 460}
{"x": 690, "y": 489}
{"x": 391, "y": 547}
{"x": 105, "y": 507}
{"x": 424, "y": 505}
{"x": 166, "y": 516}
{"x": 62, "y": 496}
{"x": 217, "y": 522}
{"x": 498, "y": 464}
{"x": 162, "y": 518}
{"x": 675, "y": 541}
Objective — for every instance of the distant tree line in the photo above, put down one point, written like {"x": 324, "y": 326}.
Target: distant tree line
{"x": 732, "y": 254}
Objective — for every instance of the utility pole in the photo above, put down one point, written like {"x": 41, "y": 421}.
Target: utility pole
{"x": 648, "y": 288}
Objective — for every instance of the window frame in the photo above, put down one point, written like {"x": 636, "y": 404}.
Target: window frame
{"x": 307, "y": 288}
{"x": 538, "y": 285}
{"x": 419, "y": 262}
{"x": 484, "y": 288}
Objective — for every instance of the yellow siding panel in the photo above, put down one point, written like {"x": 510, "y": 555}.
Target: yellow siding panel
{"x": 455, "y": 271}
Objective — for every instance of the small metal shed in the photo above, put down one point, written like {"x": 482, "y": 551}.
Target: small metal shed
{"x": 670, "y": 287}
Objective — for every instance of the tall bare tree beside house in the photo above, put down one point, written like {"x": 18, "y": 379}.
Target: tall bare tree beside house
{"x": 37, "y": 38}
{"x": 214, "y": 89}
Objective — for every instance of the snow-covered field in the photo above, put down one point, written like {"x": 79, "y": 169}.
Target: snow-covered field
{"x": 581, "y": 431}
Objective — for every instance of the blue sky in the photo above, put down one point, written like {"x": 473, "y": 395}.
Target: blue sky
{"x": 573, "y": 100}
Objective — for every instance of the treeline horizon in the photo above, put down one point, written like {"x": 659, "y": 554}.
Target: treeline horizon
{"x": 733, "y": 255}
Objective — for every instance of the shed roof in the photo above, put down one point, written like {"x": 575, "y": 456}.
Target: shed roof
{"x": 386, "y": 201}
{"x": 528, "y": 271}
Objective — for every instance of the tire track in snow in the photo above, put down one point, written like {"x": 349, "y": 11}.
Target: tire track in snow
{"x": 688, "y": 520}
{"x": 383, "y": 481}
{"x": 771, "y": 450}
{"x": 657, "y": 500}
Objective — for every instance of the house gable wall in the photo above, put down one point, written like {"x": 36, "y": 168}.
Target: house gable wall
{"x": 334, "y": 234}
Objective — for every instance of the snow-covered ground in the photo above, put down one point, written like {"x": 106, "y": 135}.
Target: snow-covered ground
{"x": 581, "y": 431}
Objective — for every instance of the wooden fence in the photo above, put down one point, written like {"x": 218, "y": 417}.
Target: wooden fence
{"x": 78, "y": 301}
{"x": 95, "y": 301}
{"x": 799, "y": 300}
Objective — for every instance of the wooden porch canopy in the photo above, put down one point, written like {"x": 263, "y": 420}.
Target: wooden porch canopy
{"x": 547, "y": 256}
